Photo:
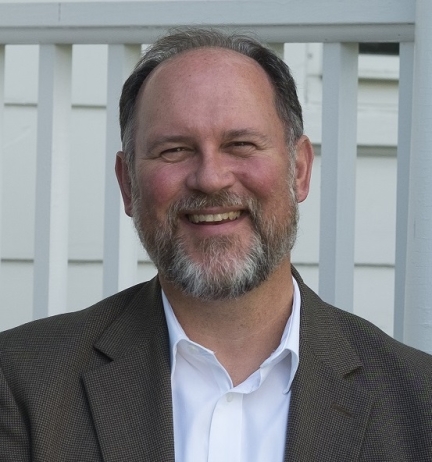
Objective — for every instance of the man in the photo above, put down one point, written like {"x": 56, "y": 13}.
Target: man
{"x": 226, "y": 355}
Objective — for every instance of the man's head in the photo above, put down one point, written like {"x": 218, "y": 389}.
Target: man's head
{"x": 286, "y": 100}
{"x": 214, "y": 166}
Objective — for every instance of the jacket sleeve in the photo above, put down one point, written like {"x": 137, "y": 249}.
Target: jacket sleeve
{"x": 14, "y": 437}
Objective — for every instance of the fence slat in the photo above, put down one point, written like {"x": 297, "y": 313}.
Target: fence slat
{"x": 406, "y": 53}
{"x": 120, "y": 242}
{"x": 52, "y": 181}
{"x": 2, "y": 81}
{"x": 418, "y": 295}
{"x": 338, "y": 152}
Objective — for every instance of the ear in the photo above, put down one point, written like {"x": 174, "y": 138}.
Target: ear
{"x": 124, "y": 181}
{"x": 304, "y": 161}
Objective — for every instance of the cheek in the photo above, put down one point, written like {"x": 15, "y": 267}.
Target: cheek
{"x": 266, "y": 180}
{"x": 159, "y": 188}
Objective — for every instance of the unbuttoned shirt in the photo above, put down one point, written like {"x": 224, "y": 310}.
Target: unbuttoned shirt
{"x": 217, "y": 422}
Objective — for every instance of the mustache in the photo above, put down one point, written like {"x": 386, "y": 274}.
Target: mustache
{"x": 199, "y": 201}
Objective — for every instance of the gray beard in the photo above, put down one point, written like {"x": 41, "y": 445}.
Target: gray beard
{"x": 224, "y": 272}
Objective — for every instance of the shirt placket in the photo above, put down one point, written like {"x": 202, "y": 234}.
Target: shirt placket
{"x": 225, "y": 437}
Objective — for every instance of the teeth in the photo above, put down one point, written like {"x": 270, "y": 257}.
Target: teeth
{"x": 214, "y": 218}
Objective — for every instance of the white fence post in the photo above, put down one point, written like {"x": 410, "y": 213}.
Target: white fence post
{"x": 418, "y": 296}
{"x": 2, "y": 80}
{"x": 338, "y": 157}
{"x": 120, "y": 242}
{"x": 52, "y": 181}
{"x": 406, "y": 54}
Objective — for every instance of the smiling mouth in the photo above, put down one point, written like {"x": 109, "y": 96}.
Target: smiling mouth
{"x": 214, "y": 218}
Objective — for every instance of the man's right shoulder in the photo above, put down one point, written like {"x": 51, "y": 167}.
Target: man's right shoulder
{"x": 71, "y": 326}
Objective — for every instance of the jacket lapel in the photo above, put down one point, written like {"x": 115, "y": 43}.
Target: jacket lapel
{"x": 329, "y": 412}
{"x": 130, "y": 396}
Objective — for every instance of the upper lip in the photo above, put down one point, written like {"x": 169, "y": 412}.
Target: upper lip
{"x": 210, "y": 215}
{"x": 213, "y": 211}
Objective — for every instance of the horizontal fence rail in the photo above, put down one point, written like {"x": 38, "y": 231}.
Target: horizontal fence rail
{"x": 274, "y": 21}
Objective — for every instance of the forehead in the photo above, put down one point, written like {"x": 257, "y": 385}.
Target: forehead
{"x": 209, "y": 69}
{"x": 200, "y": 58}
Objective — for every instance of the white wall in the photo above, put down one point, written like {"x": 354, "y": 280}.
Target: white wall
{"x": 376, "y": 181}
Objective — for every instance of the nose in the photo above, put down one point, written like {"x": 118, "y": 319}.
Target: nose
{"x": 211, "y": 173}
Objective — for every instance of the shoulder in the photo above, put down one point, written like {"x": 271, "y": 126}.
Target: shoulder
{"x": 381, "y": 353}
{"x": 44, "y": 357}
{"x": 326, "y": 326}
{"x": 68, "y": 329}
{"x": 377, "y": 348}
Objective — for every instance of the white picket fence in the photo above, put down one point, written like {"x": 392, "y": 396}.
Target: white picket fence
{"x": 340, "y": 25}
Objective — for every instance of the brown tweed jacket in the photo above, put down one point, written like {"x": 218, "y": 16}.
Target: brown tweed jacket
{"x": 95, "y": 386}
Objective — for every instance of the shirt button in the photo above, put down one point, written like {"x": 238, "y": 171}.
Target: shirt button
{"x": 193, "y": 348}
{"x": 229, "y": 397}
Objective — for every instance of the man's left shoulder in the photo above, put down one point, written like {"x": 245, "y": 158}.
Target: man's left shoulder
{"x": 389, "y": 367}
{"x": 369, "y": 341}
{"x": 328, "y": 327}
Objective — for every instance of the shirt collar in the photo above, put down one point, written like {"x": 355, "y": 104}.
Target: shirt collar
{"x": 290, "y": 339}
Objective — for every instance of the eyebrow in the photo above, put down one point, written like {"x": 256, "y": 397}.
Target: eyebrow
{"x": 230, "y": 134}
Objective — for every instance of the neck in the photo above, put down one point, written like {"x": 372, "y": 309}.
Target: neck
{"x": 242, "y": 332}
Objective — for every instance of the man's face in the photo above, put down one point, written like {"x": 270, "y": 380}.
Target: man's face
{"x": 213, "y": 192}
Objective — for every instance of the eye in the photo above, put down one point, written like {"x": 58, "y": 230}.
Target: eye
{"x": 241, "y": 148}
{"x": 175, "y": 154}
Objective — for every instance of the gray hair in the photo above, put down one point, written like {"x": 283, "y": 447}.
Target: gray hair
{"x": 185, "y": 39}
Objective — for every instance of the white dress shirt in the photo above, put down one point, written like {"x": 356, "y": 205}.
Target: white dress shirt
{"x": 216, "y": 422}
